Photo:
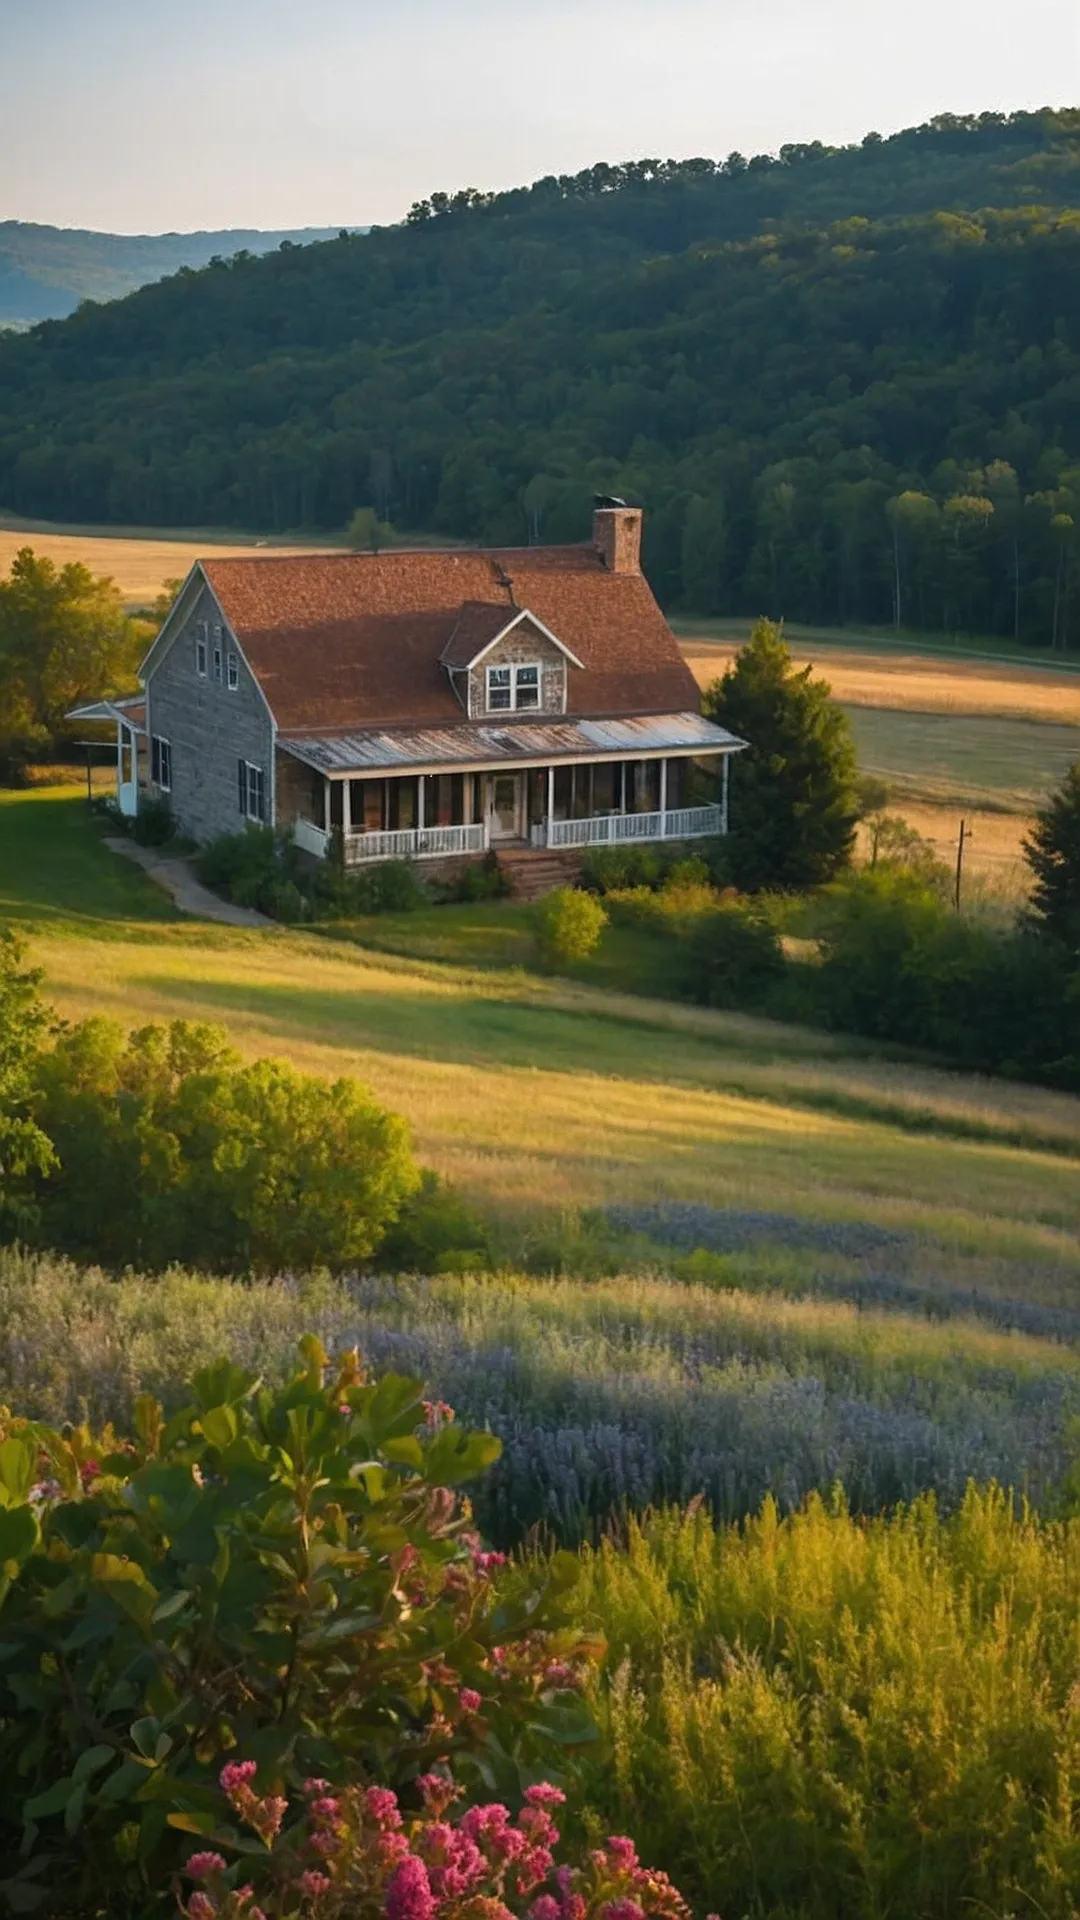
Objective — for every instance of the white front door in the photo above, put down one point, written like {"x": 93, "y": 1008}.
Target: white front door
{"x": 506, "y": 806}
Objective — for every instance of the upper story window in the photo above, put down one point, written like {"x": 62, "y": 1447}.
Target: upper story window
{"x": 513, "y": 689}
{"x": 217, "y": 665}
{"x": 200, "y": 650}
{"x": 232, "y": 670}
{"x": 161, "y": 764}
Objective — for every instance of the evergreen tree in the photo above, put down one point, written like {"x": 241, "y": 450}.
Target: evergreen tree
{"x": 1052, "y": 852}
{"x": 794, "y": 800}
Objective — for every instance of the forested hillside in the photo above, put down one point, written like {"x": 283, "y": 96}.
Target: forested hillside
{"x": 845, "y": 382}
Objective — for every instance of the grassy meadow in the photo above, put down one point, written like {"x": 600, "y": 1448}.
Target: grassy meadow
{"x": 740, "y": 1266}
{"x": 538, "y": 1096}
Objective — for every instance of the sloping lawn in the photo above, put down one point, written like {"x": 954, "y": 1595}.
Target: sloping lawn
{"x": 54, "y": 867}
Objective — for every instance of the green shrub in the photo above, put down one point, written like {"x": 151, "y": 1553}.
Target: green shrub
{"x": 568, "y": 926}
{"x": 170, "y": 1150}
{"x": 898, "y": 965}
{"x": 240, "y": 865}
{"x": 153, "y": 824}
{"x": 435, "y": 1232}
{"x": 735, "y": 957}
{"x": 479, "y": 880}
{"x": 675, "y": 908}
{"x": 605, "y": 869}
{"x": 387, "y": 886}
{"x": 26, "y": 1153}
{"x": 279, "y": 1575}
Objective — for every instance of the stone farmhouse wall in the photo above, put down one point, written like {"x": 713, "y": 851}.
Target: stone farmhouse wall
{"x": 209, "y": 728}
{"x": 524, "y": 647}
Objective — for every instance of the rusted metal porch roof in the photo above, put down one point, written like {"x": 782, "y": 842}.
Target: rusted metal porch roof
{"x": 513, "y": 742}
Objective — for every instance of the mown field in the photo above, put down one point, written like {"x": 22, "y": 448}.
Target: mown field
{"x": 139, "y": 564}
{"x": 962, "y": 731}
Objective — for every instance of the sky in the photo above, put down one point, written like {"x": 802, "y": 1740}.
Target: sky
{"x": 145, "y": 116}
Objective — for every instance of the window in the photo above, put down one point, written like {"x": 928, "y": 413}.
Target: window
{"x": 527, "y": 686}
{"x": 217, "y": 665}
{"x": 500, "y": 690}
{"x": 251, "y": 790}
{"x": 200, "y": 650}
{"x": 232, "y": 668}
{"x": 161, "y": 764}
{"x": 512, "y": 688}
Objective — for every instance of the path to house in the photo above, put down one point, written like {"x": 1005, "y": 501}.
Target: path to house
{"x": 174, "y": 874}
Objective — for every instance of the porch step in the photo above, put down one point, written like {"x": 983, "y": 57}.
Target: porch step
{"x": 530, "y": 872}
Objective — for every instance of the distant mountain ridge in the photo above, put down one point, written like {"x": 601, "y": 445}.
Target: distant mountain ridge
{"x": 46, "y": 271}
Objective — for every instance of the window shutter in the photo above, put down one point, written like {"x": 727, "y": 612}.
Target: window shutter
{"x": 241, "y": 774}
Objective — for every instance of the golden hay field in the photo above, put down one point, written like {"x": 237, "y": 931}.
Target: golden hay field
{"x": 953, "y": 738}
{"x": 917, "y": 682}
{"x": 139, "y": 565}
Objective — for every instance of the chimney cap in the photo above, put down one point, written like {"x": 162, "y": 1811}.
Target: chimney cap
{"x": 601, "y": 500}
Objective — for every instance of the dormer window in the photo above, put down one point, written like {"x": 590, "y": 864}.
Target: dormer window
{"x": 513, "y": 689}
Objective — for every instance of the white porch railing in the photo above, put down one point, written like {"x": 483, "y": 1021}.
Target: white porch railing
{"x": 414, "y": 843}
{"x": 405, "y": 843}
{"x": 613, "y": 829}
{"x": 310, "y": 838}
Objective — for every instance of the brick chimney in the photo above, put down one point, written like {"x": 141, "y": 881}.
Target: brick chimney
{"x": 617, "y": 533}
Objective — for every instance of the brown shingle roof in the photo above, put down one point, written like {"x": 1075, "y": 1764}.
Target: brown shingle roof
{"x": 477, "y": 625}
{"x": 347, "y": 640}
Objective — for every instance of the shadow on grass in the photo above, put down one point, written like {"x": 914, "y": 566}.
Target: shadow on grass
{"x": 505, "y": 1035}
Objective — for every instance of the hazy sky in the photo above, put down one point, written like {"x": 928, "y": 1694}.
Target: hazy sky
{"x": 147, "y": 115}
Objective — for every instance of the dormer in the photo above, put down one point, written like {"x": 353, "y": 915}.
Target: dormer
{"x": 504, "y": 664}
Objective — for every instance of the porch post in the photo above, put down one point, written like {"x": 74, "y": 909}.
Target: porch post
{"x": 550, "y": 804}
{"x": 326, "y": 804}
{"x": 724, "y": 793}
{"x": 119, "y": 761}
{"x": 663, "y": 799}
{"x": 622, "y": 788}
{"x": 346, "y": 809}
{"x": 420, "y": 803}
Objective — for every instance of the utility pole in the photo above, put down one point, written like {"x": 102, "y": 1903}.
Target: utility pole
{"x": 962, "y": 838}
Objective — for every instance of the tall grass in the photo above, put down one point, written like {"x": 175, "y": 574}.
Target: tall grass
{"x": 824, "y": 1716}
{"x": 610, "y": 1395}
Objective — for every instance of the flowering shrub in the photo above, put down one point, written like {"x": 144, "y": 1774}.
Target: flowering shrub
{"x": 285, "y": 1575}
{"x": 353, "y": 1852}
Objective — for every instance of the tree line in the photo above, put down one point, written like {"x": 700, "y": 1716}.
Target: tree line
{"x": 843, "y": 381}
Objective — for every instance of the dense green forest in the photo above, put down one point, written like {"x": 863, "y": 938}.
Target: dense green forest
{"x": 844, "y": 381}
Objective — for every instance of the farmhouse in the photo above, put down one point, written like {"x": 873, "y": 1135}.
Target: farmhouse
{"x": 427, "y": 705}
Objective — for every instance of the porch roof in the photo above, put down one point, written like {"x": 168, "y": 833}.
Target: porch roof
{"x": 127, "y": 713}
{"x": 515, "y": 743}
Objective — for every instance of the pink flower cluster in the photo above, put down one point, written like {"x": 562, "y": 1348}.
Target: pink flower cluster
{"x": 262, "y": 1813}
{"x": 215, "y": 1899}
{"x": 353, "y": 1851}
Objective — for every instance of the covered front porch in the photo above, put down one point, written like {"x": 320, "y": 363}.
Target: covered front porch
{"x": 445, "y": 814}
